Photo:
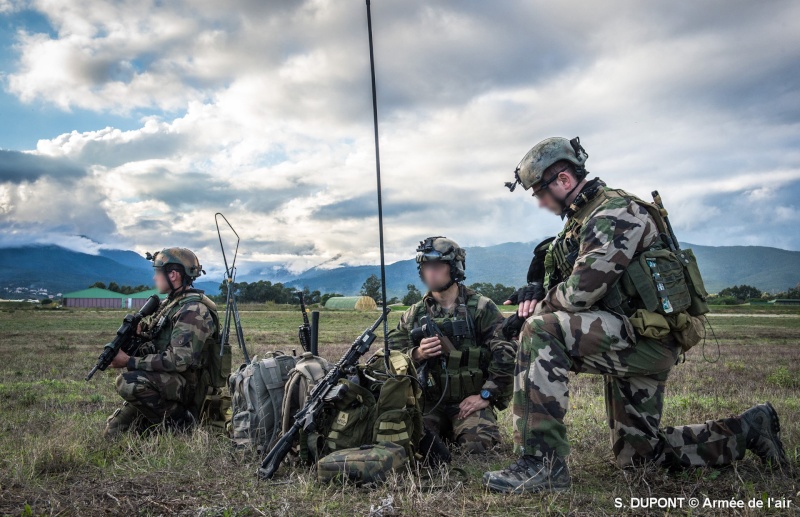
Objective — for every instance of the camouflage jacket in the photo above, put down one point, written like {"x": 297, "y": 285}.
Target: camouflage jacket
{"x": 602, "y": 234}
{"x": 487, "y": 320}
{"x": 179, "y": 334}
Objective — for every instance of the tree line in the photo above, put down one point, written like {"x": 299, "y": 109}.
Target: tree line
{"x": 121, "y": 289}
{"x": 498, "y": 293}
{"x": 264, "y": 291}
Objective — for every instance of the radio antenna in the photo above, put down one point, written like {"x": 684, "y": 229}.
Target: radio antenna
{"x": 380, "y": 198}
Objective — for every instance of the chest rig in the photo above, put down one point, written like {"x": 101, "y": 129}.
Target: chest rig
{"x": 467, "y": 367}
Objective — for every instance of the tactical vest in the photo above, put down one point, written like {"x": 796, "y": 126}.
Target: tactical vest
{"x": 468, "y": 367}
{"x": 658, "y": 290}
{"x": 214, "y": 370}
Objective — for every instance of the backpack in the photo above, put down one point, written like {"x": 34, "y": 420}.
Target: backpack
{"x": 377, "y": 408}
{"x": 367, "y": 464}
{"x": 257, "y": 395}
{"x": 308, "y": 371}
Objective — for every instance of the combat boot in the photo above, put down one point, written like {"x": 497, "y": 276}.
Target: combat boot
{"x": 530, "y": 474}
{"x": 124, "y": 418}
{"x": 763, "y": 428}
{"x": 181, "y": 420}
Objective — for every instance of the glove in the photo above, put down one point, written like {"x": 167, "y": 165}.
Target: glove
{"x": 511, "y": 326}
{"x": 536, "y": 269}
{"x": 532, "y": 291}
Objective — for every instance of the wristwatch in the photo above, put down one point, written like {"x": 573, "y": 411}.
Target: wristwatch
{"x": 486, "y": 395}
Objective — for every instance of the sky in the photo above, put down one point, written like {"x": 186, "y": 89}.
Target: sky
{"x": 129, "y": 124}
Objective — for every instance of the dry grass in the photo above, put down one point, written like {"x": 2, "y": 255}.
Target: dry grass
{"x": 53, "y": 459}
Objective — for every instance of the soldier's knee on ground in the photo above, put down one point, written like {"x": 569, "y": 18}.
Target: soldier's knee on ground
{"x": 126, "y": 386}
{"x": 474, "y": 444}
{"x": 478, "y": 432}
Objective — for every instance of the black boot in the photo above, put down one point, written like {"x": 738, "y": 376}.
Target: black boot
{"x": 530, "y": 474}
{"x": 181, "y": 420}
{"x": 763, "y": 430}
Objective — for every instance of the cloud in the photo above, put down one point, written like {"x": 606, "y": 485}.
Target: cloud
{"x": 18, "y": 167}
{"x": 262, "y": 111}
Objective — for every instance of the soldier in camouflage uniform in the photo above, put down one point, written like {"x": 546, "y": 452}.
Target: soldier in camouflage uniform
{"x": 462, "y": 387}
{"x": 167, "y": 380}
{"x": 569, "y": 329}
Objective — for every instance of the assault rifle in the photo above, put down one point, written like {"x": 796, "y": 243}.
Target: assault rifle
{"x": 306, "y": 418}
{"x": 126, "y": 339}
{"x": 304, "y": 330}
{"x": 429, "y": 328}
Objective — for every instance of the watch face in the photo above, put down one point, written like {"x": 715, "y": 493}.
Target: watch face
{"x": 486, "y": 395}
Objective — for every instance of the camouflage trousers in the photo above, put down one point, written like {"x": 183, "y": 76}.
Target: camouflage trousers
{"x": 156, "y": 395}
{"x": 596, "y": 342}
{"x": 475, "y": 434}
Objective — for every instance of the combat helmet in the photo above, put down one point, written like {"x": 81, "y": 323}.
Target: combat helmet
{"x": 442, "y": 249}
{"x": 182, "y": 257}
{"x": 530, "y": 170}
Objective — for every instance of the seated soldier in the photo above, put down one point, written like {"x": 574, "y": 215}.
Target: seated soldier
{"x": 168, "y": 379}
{"x": 468, "y": 371}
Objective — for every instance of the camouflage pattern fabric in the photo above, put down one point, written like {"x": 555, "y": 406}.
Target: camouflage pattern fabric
{"x": 475, "y": 434}
{"x": 166, "y": 380}
{"x": 488, "y": 321}
{"x": 596, "y": 342}
{"x": 479, "y": 431}
{"x": 156, "y": 395}
{"x": 367, "y": 464}
{"x": 569, "y": 333}
{"x": 181, "y": 256}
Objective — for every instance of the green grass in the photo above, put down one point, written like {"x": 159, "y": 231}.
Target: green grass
{"x": 53, "y": 459}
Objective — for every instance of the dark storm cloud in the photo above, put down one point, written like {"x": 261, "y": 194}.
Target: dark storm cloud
{"x": 199, "y": 189}
{"x": 17, "y": 167}
{"x": 366, "y": 206}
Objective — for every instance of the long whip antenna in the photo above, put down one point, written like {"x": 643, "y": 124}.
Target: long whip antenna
{"x": 380, "y": 198}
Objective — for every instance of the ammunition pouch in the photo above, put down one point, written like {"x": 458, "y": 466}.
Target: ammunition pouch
{"x": 662, "y": 294}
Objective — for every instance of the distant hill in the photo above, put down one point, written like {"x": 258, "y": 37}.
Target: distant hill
{"x": 60, "y": 270}
{"x": 769, "y": 269}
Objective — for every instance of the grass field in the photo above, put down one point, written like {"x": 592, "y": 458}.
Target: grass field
{"x": 53, "y": 459}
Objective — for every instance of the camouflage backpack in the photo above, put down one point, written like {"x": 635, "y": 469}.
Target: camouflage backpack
{"x": 308, "y": 371}
{"x": 376, "y": 423}
{"x": 257, "y": 394}
{"x": 367, "y": 464}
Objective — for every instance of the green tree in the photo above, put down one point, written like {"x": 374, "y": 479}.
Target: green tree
{"x": 498, "y": 293}
{"x": 742, "y": 293}
{"x": 372, "y": 288}
{"x": 412, "y": 296}
{"x": 327, "y": 296}
{"x": 99, "y": 285}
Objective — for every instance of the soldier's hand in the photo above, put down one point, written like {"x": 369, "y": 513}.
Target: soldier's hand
{"x": 429, "y": 347}
{"x": 470, "y": 405}
{"x": 527, "y": 297}
{"x": 120, "y": 360}
{"x": 139, "y": 329}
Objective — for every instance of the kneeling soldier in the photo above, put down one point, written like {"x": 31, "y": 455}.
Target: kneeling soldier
{"x": 168, "y": 379}
{"x": 580, "y": 318}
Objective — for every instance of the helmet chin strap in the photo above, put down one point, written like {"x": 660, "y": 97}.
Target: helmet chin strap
{"x": 172, "y": 289}
{"x": 445, "y": 288}
{"x": 563, "y": 201}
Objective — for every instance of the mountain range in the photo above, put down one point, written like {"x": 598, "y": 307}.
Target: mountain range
{"x": 57, "y": 269}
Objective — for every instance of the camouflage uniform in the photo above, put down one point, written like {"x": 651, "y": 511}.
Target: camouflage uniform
{"x": 570, "y": 332}
{"x": 168, "y": 378}
{"x": 478, "y": 431}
